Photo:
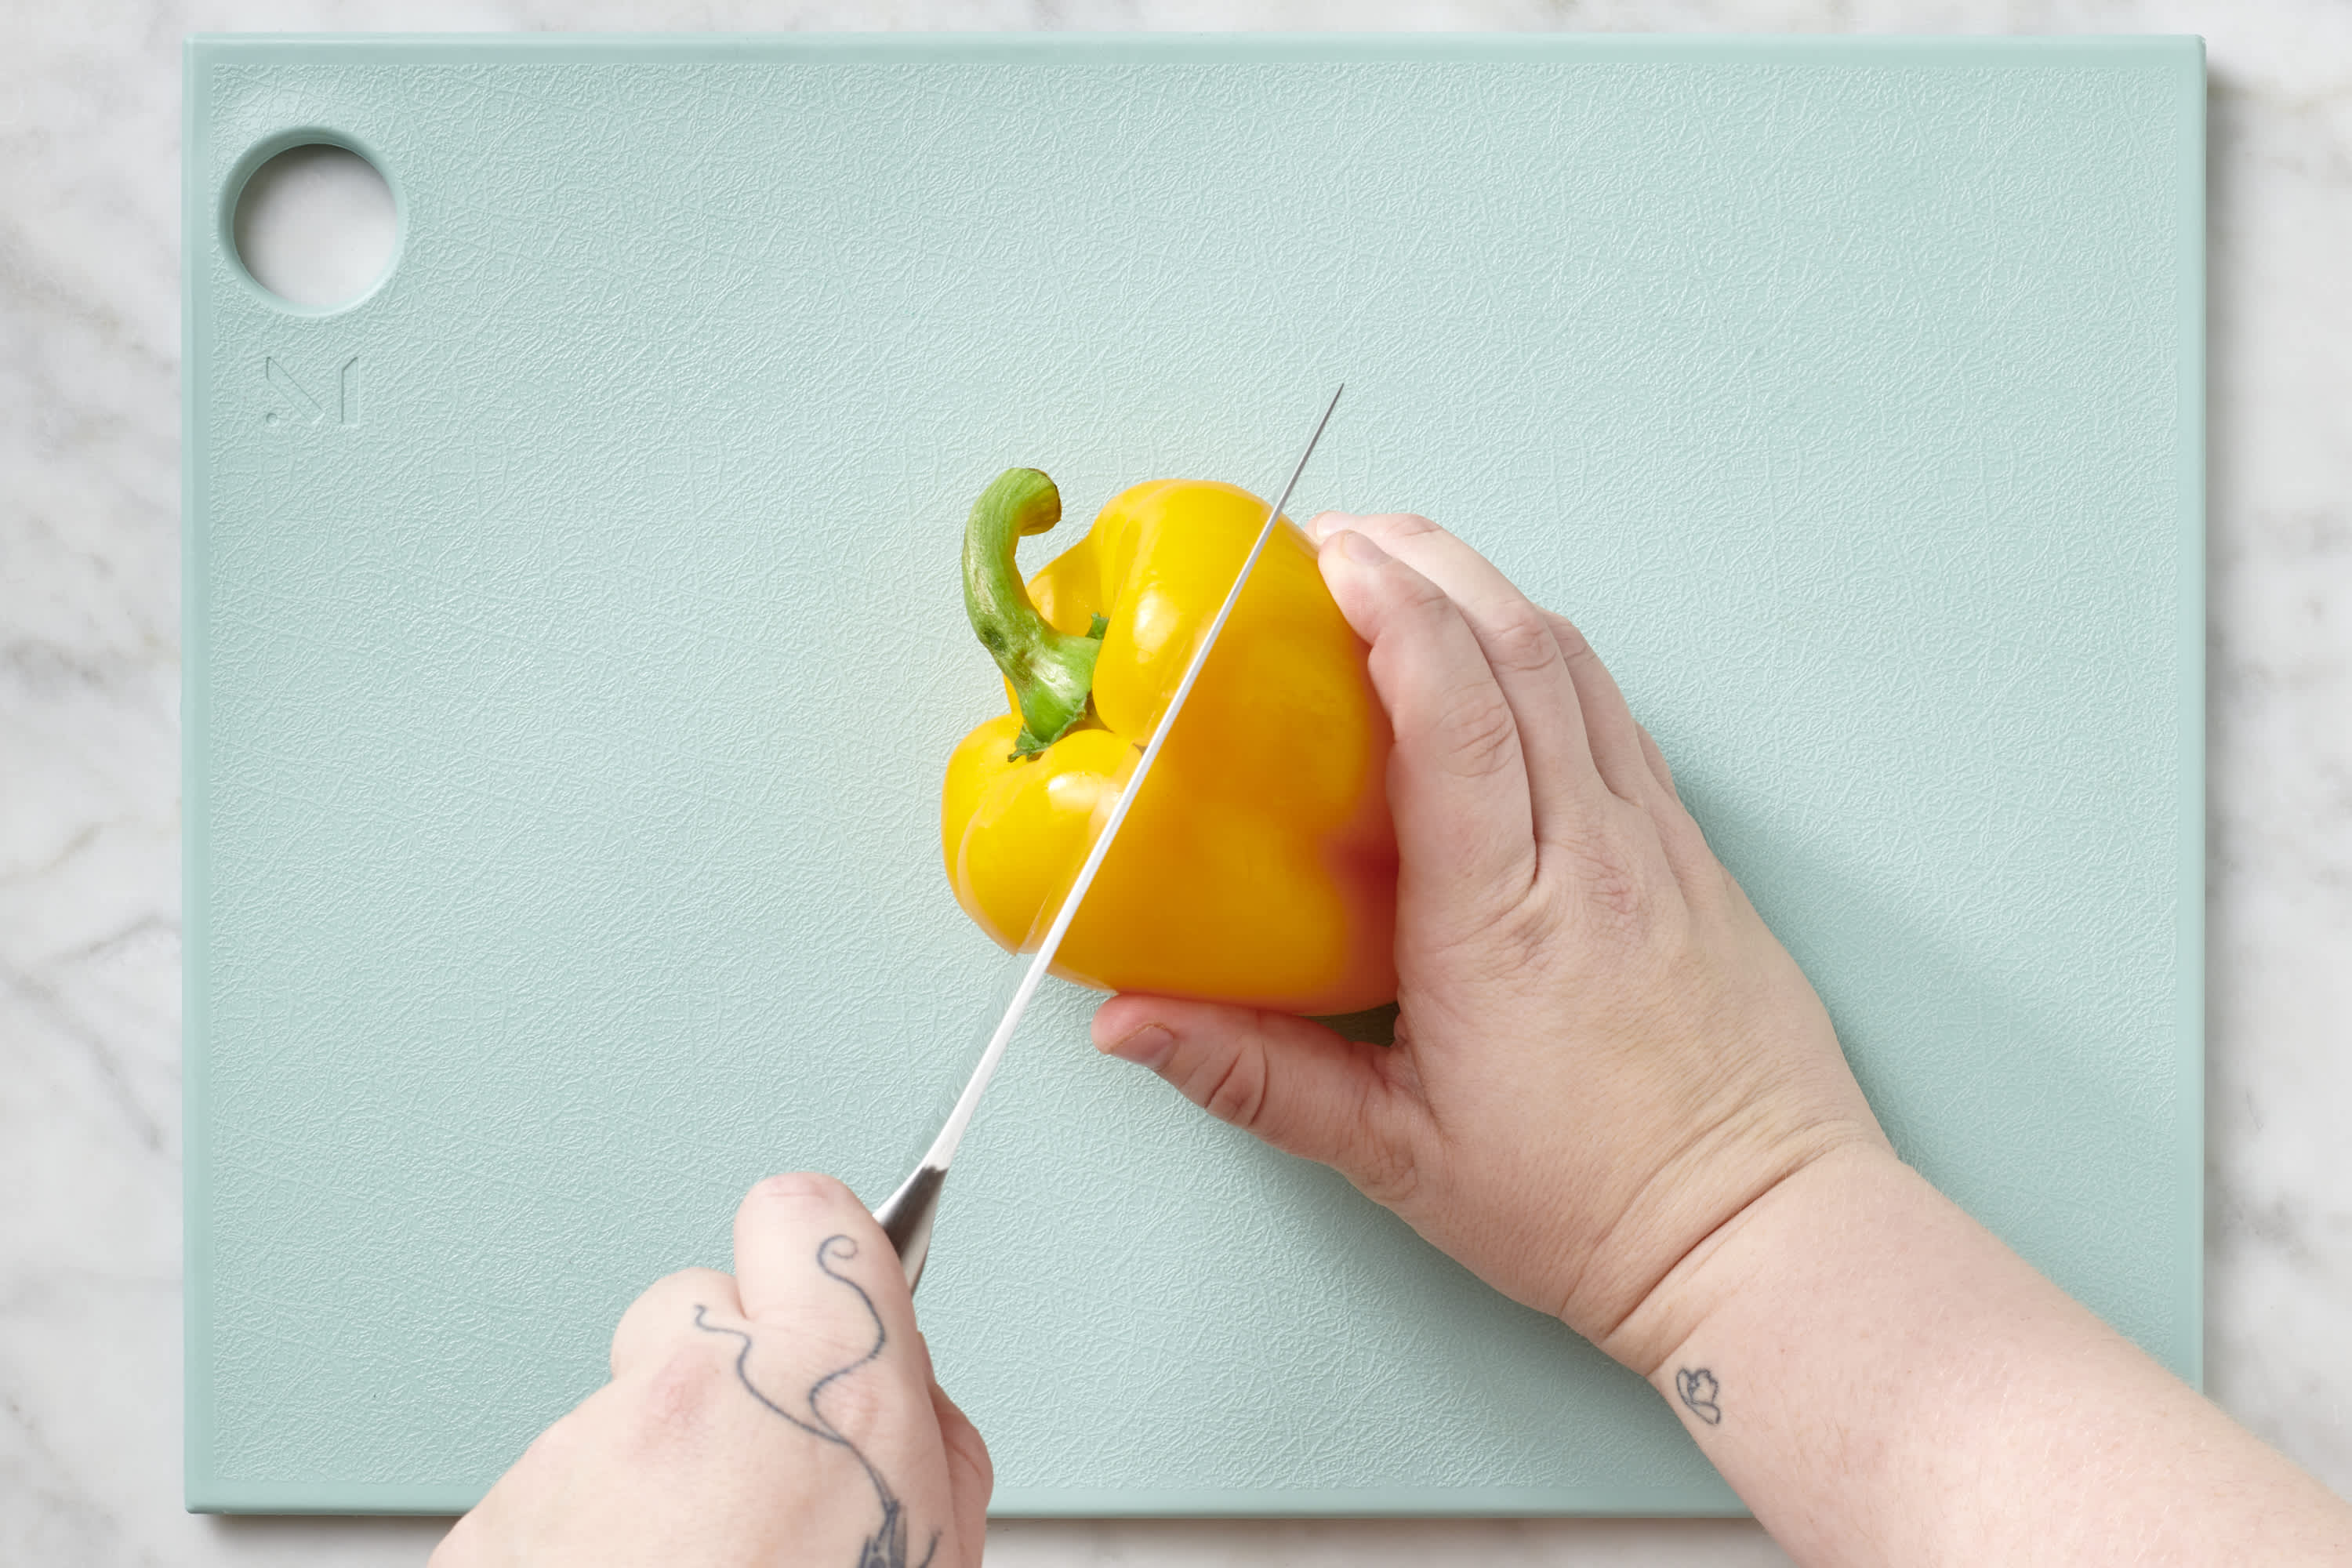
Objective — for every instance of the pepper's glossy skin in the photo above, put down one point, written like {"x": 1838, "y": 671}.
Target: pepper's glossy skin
{"x": 1259, "y": 864}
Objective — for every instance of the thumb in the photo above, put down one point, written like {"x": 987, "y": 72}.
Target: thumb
{"x": 1302, "y": 1087}
{"x": 810, "y": 1259}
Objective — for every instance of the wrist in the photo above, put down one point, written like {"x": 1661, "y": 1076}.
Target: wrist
{"x": 1751, "y": 1247}
{"x": 1883, "y": 1381}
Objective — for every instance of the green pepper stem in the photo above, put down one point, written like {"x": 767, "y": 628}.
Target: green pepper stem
{"x": 1051, "y": 671}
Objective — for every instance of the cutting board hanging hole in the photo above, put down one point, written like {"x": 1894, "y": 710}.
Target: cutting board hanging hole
{"x": 315, "y": 225}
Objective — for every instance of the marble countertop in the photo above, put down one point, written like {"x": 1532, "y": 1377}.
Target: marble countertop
{"x": 89, "y": 950}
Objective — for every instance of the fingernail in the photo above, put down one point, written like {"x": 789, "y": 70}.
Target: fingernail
{"x": 1321, "y": 526}
{"x": 1146, "y": 1047}
{"x": 1360, "y": 549}
{"x": 801, "y": 1185}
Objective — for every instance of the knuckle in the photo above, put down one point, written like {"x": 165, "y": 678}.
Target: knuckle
{"x": 676, "y": 1398}
{"x": 1476, "y": 735}
{"x": 1519, "y": 642}
{"x": 864, "y": 1404}
{"x": 1387, "y": 1173}
{"x": 1231, "y": 1089}
{"x": 1408, "y": 525}
{"x": 1527, "y": 930}
{"x": 1517, "y": 937}
{"x": 660, "y": 1312}
{"x": 1570, "y": 641}
{"x": 1422, "y": 598}
{"x": 1614, "y": 892}
{"x": 1499, "y": 939}
{"x": 1616, "y": 895}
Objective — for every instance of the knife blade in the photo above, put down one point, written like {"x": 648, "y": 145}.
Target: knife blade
{"x": 907, "y": 1216}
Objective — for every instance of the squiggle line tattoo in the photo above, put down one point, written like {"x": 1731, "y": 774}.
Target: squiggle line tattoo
{"x": 886, "y": 1547}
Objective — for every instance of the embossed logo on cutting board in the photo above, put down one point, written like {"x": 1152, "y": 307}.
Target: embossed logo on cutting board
{"x": 336, "y": 401}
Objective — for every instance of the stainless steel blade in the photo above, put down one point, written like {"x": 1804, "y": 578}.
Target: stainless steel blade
{"x": 908, "y": 1214}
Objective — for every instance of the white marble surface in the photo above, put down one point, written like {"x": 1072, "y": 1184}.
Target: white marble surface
{"x": 89, "y": 957}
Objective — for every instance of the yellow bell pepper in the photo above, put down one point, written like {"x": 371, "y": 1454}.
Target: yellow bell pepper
{"x": 1259, "y": 866}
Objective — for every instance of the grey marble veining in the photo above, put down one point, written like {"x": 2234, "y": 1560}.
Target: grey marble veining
{"x": 89, "y": 745}
{"x": 2279, "y": 1191}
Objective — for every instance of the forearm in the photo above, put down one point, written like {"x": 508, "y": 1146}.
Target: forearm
{"x": 1883, "y": 1382}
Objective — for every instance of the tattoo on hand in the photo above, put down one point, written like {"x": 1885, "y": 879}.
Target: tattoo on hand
{"x": 1698, "y": 1389}
{"x": 886, "y": 1547}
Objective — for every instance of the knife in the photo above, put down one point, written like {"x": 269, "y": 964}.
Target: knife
{"x": 908, "y": 1214}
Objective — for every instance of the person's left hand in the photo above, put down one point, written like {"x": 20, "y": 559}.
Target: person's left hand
{"x": 783, "y": 1415}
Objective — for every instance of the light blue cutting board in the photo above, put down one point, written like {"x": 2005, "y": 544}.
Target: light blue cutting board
{"x": 570, "y": 665}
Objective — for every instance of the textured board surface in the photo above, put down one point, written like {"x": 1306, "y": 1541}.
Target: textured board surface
{"x": 551, "y": 875}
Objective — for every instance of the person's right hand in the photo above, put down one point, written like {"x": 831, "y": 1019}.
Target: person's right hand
{"x": 783, "y": 1414}
{"x": 1602, "y": 1056}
